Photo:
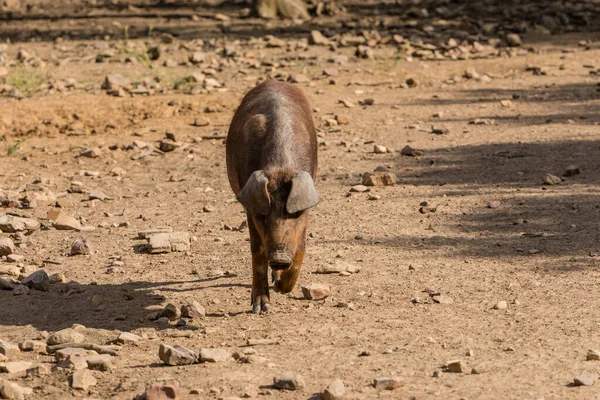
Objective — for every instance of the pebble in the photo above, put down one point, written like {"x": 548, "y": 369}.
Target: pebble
{"x": 593, "y": 355}
{"x": 193, "y": 310}
{"x": 197, "y": 57}
{"x": 316, "y": 291}
{"x": 170, "y": 390}
{"x": 513, "y": 40}
{"x": 75, "y": 362}
{"x": 585, "y": 380}
{"x": 38, "y": 370}
{"x": 347, "y": 103}
{"x": 334, "y": 391}
{"x": 359, "y": 189}
{"x": 6, "y": 246}
{"x": 456, "y": 366}
{"x": 388, "y": 383}
{"x": 378, "y": 149}
{"x": 378, "y": 179}
{"x": 64, "y": 354}
{"x": 338, "y": 267}
{"x": 409, "y": 151}
{"x": 38, "y": 280}
{"x": 128, "y": 337}
{"x": 93, "y": 152}
{"x": 201, "y": 121}
{"x": 317, "y": 38}
{"x": 10, "y": 270}
{"x": 67, "y": 335}
{"x": 115, "y": 82}
{"x": 441, "y": 299}
{"x": 12, "y": 391}
{"x": 176, "y": 355}
{"x": 171, "y": 312}
{"x": 81, "y": 247}
{"x": 571, "y": 170}
{"x": 493, "y": 204}
{"x": 62, "y": 221}
{"x": 10, "y": 350}
{"x": 289, "y": 381}
{"x": 83, "y": 379}
{"x": 12, "y": 224}
{"x": 298, "y": 78}
{"x": 550, "y": 179}
{"x": 215, "y": 355}
{"x": 33, "y": 345}
{"x": 342, "y": 119}
{"x": 168, "y": 242}
{"x": 99, "y": 362}
{"x": 501, "y": 305}
{"x": 480, "y": 369}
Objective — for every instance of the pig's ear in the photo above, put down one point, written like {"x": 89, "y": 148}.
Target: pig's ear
{"x": 303, "y": 194}
{"x": 255, "y": 196}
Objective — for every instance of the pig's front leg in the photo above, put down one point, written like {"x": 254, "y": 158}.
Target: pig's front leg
{"x": 285, "y": 281}
{"x": 260, "y": 300}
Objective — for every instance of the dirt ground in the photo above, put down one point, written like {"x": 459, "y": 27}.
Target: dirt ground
{"x": 498, "y": 232}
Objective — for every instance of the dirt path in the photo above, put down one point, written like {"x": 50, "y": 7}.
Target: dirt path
{"x": 497, "y": 233}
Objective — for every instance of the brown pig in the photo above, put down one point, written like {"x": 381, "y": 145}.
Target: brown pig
{"x": 271, "y": 164}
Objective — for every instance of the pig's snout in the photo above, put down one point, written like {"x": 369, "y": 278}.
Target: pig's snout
{"x": 280, "y": 260}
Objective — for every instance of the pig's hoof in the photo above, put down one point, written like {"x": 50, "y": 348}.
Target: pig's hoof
{"x": 266, "y": 308}
{"x": 256, "y": 308}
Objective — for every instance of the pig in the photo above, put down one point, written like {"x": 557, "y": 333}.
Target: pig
{"x": 271, "y": 152}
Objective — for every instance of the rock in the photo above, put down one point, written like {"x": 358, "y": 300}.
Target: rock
{"x": 335, "y": 390}
{"x": 388, "y": 383}
{"x": 170, "y": 390}
{"x": 571, "y": 170}
{"x": 455, "y": 366}
{"x": 289, "y": 381}
{"x": 8, "y": 284}
{"x": 378, "y": 179}
{"x": 115, "y": 82}
{"x": 593, "y": 355}
{"x": 38, "y": 280}
{"x": 585, "y": 380}
{"x": 38, "y": 371}
{"x": 317, "y": 38}
{"x": 316, "y": 291}
{"x": 342, "y": 119}
{"x": 359, "y": 189}
{"x": 338, "y": 267}
{"x": 176, "y": 355}
{"x": 83, "y": 379}
{"x": 197, "y": 57}
{"x": 193, "y": 310}
{"x": 493, "y": 204}
{"x": 75, "y": 362}
{"x": 201, "y": 121}
{"x": 128, "y": 337}
{"x": 81, "y": 247}
{"x": 118, "y": 171}
{"x": 99, "y": 362}
{"x": 6, "y": 247}
{"x": 12, "y": 391}
{"x": 501, "y": 305}
{"x": 15, "y": 258}
{"x": 171, "y": 312}
{"x": 215, "y": 355}
{"x": 154, "y": 53}
{"x": 64, "y": 354}
{"x": 62, "y": 221}
{"x": 471, "y": 73}
{"x": 298, "y": 78}
{"x": 513, "y": 40}
{"x": 441, "y": 299}
{"x": 347, "y": 103}
{"x": 378, "y": 149}
{"x": 9, "y": 269}
{"x": 409, "y": 151}
{"x": 68, "y": 335}
{"x": 14, "y": 367}
{"x": 550, "y": 179}
{"x": 33, "y": 345}
{"x": 168, "y": 242}
{"x": 58, "y": 277}
{"x": 168, "y": 145}
{"x": 12, "y": 224}
{"x": 480, "y": 369}
{"x": 506, "y": 103}
{"x": 93, "y": 152}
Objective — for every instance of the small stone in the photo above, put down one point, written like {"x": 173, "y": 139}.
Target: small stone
{"x": 15, "y": 258}
{"x": 11, "y": 390}
{"x": 378, "y": 149}
{"x": 99, "y": 362}
{"x": 168, "y": 242}
{"x": 585, "y": 380}
{"x": 506, "y": 103}
{"x": 480, "y": 369}
{"x": 6, "y": 246}
{"x": 171, "y": 312}
{"x": 38, "y": 280}
{"x": 168, "y": 145}
{"x": 593, "y": 355}
{"x": 456, "y": 366}
{"x": 14, "y": 367}
{"x": 342, "y": 119}
{"x": 38, "y": 371}
{"x": 493, "y": 204}
{"x": 201, "y": 121}
{"x": 64, "y": 354}
{"x": 316, "y": 291}
{"x": 170, "y": 390}
{"x": 378, "y": 179}
{"x": 83, "y": 379}
{"x": 33, "y": 345}
{"x": 335, "y": 390}
{"x": 12, "y": 224}
{"x": 289, "y": 381}
{"x": 501, "y": 305}
{"x": 441, "y": 299}
{"x": 571, "y": 170}
{"x": 471, "y": 73}
{"x": 68, "y": 335}
{"x": 176, "y": 355}
{"x": 115, "y": 82}
{"x": 215, "y": 355}
{"x": 347, "y": 103}
{"x": 63, "y": 221}
{"x": 409, "y": 151}
{"x": 10, "y": 350}
{"x": 197, "y": 57}
{"x": 128, "y": 337}
{"x": 550, "y": 179}
{"x": 58, "y": 277}
{"x": 75, "y": 362}
{"x": 513, "y": 40}
{"x": 317, "y": 38}
{"x": 193, "y": 310}
{"x": 359, "y": 189}
{"x": 388, "y": 383}
{"x": 81, "y": 247}
{"x": 298, "y": 78}
{"x": 338, "y": 267}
